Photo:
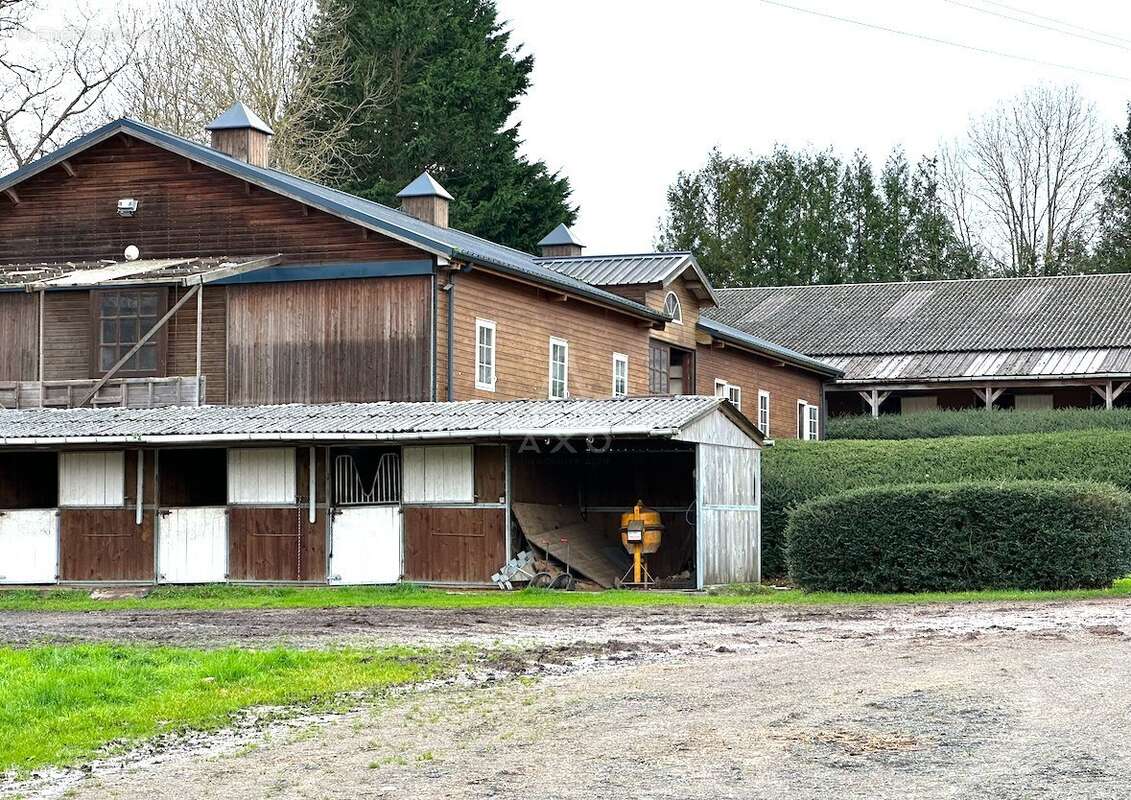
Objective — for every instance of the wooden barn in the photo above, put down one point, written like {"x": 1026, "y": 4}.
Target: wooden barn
{"x": 146, "y": 274}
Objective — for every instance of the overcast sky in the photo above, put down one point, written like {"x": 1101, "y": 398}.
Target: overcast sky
{"x": 629, "y": 92}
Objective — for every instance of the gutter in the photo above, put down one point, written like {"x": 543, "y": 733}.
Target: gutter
{"x": 408, "y": 436}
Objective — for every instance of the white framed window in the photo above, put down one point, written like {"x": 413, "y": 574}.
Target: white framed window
{"x": 764, "y": 412}
{"x": 559, "y": 369}
{"x": 620, "y": 375}
{"x": 673, "y": 308}
{"x": 729, "y": 391}
{"x": 485, "y": 355}
{"x": 808, "y": 421}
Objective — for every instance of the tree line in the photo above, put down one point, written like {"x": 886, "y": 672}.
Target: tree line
{"x": 1035, "y": 187}
{"x": 366, "y": 94}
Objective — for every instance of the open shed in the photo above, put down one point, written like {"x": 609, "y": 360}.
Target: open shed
{"x": 370, "y": 493}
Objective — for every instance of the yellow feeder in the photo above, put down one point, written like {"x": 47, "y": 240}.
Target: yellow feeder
{"x": 640, "y": 533}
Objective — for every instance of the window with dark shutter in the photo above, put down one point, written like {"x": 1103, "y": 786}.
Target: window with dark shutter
{"x": 121, "y": 318}
{"x": 659, "y": 366}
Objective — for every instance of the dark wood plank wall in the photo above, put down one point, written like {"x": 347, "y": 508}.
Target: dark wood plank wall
{"x": 354, "y": 340}
{"x": 276, "y": 544}
{"x": 105, "y": 544}
{"x": 193, "y": 477}
{"x": 459, "y": 545}
{"x": 181, "y": 349}
{"x": 19, "y": 336}
{"x": 490, "y": 473}
{"x": 525, "y": 318}
{"x": 66, "y": 336}
{"x": 184, "y": 211}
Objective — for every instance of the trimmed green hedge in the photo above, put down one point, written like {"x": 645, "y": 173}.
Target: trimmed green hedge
{"x": 793, "y": 472}
{"x": 962, "y": 536}
{"x": 976, "y": 422}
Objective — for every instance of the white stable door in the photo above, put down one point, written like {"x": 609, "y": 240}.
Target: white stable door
{"x": 192, "y": 545}
{"x": 365, "y": 545}
{"x": 29, "y": 546}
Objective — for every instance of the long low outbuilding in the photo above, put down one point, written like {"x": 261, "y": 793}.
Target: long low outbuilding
{"x": 370, "y": 493}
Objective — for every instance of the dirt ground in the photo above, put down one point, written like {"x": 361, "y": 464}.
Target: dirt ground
{"x": 964, "y": 701}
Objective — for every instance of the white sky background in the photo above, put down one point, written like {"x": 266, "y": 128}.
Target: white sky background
{"x": 627, "y": 93}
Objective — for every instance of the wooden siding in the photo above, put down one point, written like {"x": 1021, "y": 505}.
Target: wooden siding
{"x": 356, "y": 340}
{"x": 490, "y": 473}
{"x": 95, "y": 478}
{"x": 19, "y": 333}
{"x": 181, "y": 358}
{"x": 261, "y": 475}
{"x": 786, "y": 385}
{"x": 458, "y": 545}
{"x": 66, "y": 336}
{"x": 525, "y": 319}
{"x": 681, "y": 335}
{"x": 438, "y": 474}
{"x": 105, "y": 544}
{"x": 185, "y": 210}
{"x": 276, "y": 544}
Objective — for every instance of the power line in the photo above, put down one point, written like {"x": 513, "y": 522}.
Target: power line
{"x": 1065, "y": 23}
{"x": 1037, "y": 25}
{"x": 924, "y": 37}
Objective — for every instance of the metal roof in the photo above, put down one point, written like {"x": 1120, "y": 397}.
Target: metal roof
{"x": 387, "y": 421}
{"x": 182, "y": 271}
{"x": 729, "y": 334}
{"x": 424, "y": 185}
{"x": 1067, "y": 364}
{"x": 447, "y": 242}
{"x": 630, "y": 269}
{"x": 239, "y": 116}
{"x": 1069, "y": 312}
{"x": 560, "y": 235}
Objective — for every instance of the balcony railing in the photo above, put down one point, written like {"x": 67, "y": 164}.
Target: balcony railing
{"x": 118, "y": 392}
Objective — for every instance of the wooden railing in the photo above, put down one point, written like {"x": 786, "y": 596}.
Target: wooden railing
{"x": 117, "y": 392}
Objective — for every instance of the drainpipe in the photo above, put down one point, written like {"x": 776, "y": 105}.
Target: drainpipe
{"x": 435, "y": 328}
{"x": 450, "y": 288}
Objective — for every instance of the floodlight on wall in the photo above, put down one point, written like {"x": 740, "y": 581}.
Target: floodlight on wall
{"x": 127, "y": 207}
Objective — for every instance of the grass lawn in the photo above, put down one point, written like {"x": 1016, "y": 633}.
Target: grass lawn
{"x": 59, "y": 705}
{"x": 409, "y": 596}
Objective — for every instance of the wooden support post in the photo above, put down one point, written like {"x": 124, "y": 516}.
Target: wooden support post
{"x": 1109, "y": 392}
{"x": 140, "y": 485}
{"x": 140, "y": 343}
{"x": 199, "y": 341}
{"x": 42, "y": 311}
{"x": 874, "y": 398}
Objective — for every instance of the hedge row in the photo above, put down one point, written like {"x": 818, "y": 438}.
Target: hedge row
{"x": 793, "y": 472}
{"x": 956, "y": 537}
{"x": 976, "y": 422}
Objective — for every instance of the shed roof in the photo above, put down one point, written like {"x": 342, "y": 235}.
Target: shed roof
{"x": 447, "y": 242}
{"x": 981, "y": 365}
{"x": 1068, "y": 312}
{"x": 748, "y": 341}
{"x": 631, "y": 269}
{"x": 386, "y": 421}
{"x": 76, "y": 274}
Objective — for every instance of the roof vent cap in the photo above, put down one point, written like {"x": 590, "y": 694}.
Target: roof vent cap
{"x": 241, "y": 133}
{"x": 426, "y": 200}
{"x": 560, "y": 243}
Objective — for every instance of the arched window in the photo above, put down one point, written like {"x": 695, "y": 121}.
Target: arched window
{"x": 672, "y": 308}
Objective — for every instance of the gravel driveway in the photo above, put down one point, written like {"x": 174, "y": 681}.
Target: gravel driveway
{"x": 1001, "y": 701}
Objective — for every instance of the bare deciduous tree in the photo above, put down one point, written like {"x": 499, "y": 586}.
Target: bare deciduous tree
{"x": 1024, "y": 183}
{"x": 281, "y": 57}
{"x": 55, "y": 87}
